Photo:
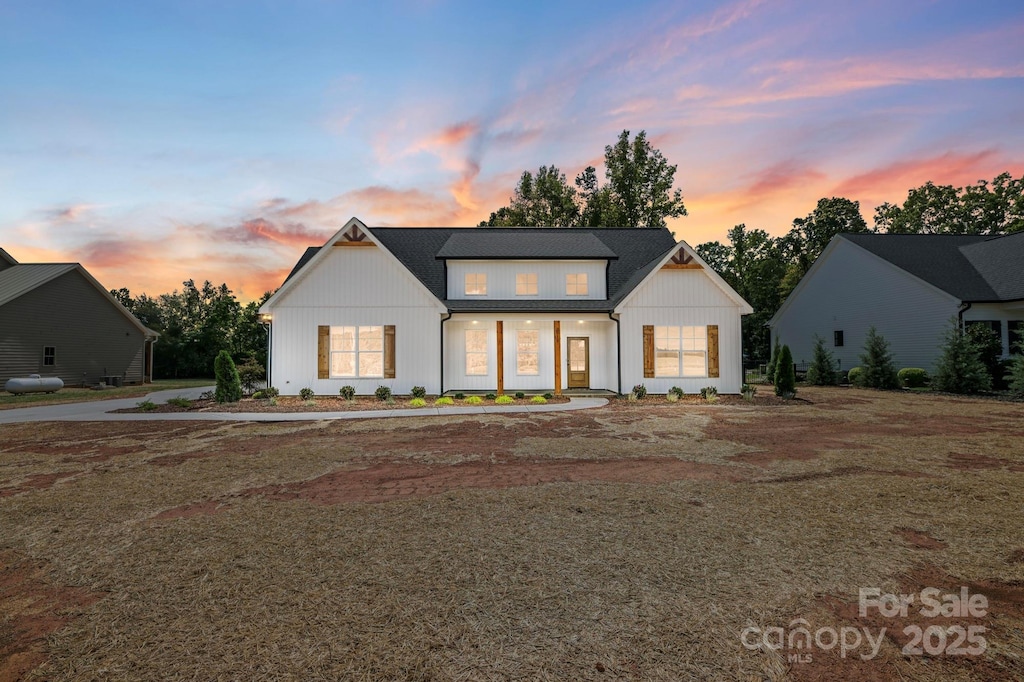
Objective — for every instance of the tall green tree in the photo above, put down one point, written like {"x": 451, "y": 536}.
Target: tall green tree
{"x": 752, "y": 264}
{"x": 877, "y": 362}
{"x": 960, "y": 367}
{"x": 640, "y": 183}
{"x": 545, "y": 199}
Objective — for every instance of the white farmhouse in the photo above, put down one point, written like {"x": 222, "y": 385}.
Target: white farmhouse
{"x": 504, "y": 310}
{"x": 909, "y": 287}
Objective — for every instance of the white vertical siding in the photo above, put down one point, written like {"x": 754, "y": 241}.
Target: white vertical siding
{"x": 682, "y": 298}
{"x": 852, "y": 290}
{"x": 501, "y": 278}
{"x": 356, "y": 286}
{"x": 601, "y": 332}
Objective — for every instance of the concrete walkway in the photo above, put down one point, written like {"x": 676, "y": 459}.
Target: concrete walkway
{"x": 101, "y": 410}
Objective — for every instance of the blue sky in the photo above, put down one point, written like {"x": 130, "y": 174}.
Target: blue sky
{"x": 156, "y": 142}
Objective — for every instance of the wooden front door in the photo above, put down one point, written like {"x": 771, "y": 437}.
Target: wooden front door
{"x": 578, "y": 361}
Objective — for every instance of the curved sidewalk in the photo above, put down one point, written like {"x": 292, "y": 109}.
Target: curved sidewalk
{"x": 101, "y": 410}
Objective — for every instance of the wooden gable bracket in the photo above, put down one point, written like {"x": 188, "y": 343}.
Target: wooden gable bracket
{"x": 681, "y": 260}
{"x": 353, "y": 236}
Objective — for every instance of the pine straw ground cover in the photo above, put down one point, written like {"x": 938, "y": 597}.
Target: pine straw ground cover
{"x": 634, "y": 541}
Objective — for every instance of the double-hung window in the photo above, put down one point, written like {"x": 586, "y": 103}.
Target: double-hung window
{"x": 49, "y": 356}
{"x": 680, "y": 352}
{"x": 357, "y": 351}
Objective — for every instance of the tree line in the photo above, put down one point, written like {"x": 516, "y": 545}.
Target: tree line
{"x": 195, "y": 324}
{"x": 638, "y": 190}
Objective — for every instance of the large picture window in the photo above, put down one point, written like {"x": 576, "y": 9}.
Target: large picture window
{"x": 526, "y": 284}
{"x": 680, "y": 352}
{"x": 476, "y": 352}
{"x": 528, "y": 352}
{"x": 576, "y": 284}
{"x": 476, "y": 284}
{"x": 357, "y": 351}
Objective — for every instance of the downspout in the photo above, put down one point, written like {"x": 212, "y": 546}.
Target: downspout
{"x": 618, "y": 348}
{"x": 444, "y": 319}
{"x": 964, "y": 307}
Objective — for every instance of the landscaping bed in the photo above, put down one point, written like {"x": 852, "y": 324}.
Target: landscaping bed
{"x": 282, "y": 404}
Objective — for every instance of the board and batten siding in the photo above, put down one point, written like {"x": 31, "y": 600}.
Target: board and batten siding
{"x": 501, "y": 278}
{"x": 92, "y": 337}
{"x": 355, "y": 286}
{"x": 681, "y": 298}
{"x": 853, "y": 290}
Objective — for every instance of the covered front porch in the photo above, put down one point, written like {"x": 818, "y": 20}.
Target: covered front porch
{"x": 532, "y": 353}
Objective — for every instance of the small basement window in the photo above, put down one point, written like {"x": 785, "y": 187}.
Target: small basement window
{"x": 837, "y": 338}
{"x": 49, "y": 356}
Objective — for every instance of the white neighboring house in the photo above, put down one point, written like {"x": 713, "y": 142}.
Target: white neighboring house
{"x": 908, "y": 287}
{"x": 504, "y": 310}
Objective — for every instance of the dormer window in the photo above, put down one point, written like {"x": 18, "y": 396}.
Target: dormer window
{"x": 476, "y": 284}
{"x": 526, "y": 284}
{"x": 576, "y": 284}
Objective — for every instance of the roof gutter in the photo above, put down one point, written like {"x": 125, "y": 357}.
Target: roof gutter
{"x": 964, "y": 307}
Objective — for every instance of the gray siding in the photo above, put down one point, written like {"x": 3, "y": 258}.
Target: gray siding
{"x": 851, "y": 290}
{"x": 92, "y": 337}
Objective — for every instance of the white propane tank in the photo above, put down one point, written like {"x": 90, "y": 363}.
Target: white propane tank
{"x": 33, "y": 383}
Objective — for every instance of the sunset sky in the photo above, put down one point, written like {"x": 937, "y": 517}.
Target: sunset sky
{"x": 160, "y": 141}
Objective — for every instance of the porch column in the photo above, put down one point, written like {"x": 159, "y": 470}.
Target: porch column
{"x": 558, "y": 357}
{"x": 501, "y": 359}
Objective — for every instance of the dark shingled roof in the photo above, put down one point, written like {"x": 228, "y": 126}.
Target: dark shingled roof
{"x": 631, "y": 254}
{"x": 541, "y": 243}
{"x": 970, "y": 267}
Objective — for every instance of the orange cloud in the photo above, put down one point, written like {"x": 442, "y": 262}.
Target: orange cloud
{"x": 896, "y": 178}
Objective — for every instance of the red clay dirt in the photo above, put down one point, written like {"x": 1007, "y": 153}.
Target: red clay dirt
{"x": 1004, "y": 617}
{"x": 918, "y": 539}
{"x": 391, "y": 480}
{"x": 33, "y": 609}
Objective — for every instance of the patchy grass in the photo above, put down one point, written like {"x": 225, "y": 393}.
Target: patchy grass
{"x": 634, "y": 541}
{"x": 74, "y": 395}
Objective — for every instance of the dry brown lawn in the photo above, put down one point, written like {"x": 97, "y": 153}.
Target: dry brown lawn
{"x": 634, "y": 541}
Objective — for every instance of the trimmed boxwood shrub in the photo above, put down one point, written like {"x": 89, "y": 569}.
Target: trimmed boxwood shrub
{"x": 491, "y": 396}
{"x": 348, "y": 392}
{"x": 383, "y": 393}
{"x": 855, "y": 376}
{"x": 912, "y": 377}
{"x": 548, "y": 396}
{"x": 460, "y": 396}
{"x": 418, "y": 392}
{"x": 520, "y": 395}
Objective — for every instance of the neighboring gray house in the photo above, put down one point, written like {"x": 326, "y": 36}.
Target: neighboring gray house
{"x": 57, "y": 320}
{"x": 909, "y": 287}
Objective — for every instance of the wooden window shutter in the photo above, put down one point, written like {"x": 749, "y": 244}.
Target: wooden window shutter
{"x": 323, "y": 352}
{"x": 389, "y": 351}
{"x": 648, "y": 350}
{"x": 713, "y": 364}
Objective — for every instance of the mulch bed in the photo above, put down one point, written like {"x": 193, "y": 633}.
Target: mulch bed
{"x": 318, "y": 404}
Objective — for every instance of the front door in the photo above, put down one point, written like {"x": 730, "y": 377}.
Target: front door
{"x": 579, "y": 362}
